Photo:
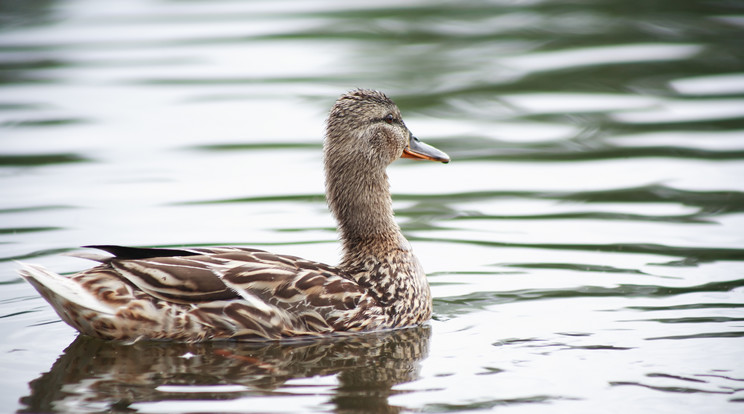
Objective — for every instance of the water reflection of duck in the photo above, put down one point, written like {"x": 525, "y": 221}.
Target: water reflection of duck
{"x": 239, "y": 293}
{"x": 111, "y": 376}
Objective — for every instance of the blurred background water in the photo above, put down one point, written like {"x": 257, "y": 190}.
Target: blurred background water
{"x": 585, "y": 247}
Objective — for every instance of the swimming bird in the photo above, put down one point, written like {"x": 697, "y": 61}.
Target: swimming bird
{"x": 236, "y": 293}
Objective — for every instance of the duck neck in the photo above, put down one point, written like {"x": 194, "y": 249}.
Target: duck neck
{"x": 359, "y": 198}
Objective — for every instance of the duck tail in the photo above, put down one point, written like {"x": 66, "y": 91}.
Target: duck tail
{"x": 66, "y": 296}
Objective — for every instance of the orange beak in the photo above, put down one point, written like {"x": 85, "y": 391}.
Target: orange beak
{"x": 420, "y": 151}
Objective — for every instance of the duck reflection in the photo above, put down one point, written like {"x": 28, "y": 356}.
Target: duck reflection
{"x": 94, "y": 375}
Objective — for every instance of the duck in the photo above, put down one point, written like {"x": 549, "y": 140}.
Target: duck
{"x": 245, "y": 294}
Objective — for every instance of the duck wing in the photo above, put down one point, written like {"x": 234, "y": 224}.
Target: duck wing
{"x": 178, "y": 276}
{"x": 249, "y": 292}
{"x": 203, "y": 274}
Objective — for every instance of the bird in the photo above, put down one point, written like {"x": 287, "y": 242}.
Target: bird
{"x": 245, "y": 294}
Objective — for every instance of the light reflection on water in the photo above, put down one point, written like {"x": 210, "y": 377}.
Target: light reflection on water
{"x": 584, "y": 247}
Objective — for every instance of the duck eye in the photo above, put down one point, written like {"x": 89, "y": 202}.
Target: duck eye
{"x": 389, "y": 118}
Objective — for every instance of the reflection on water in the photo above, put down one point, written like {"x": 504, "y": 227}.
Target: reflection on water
{"x": 96, "y": 376}
{"x": 584, "y": 247}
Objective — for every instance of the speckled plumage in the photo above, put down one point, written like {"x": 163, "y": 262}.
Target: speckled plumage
{"x": 248, "y": 294}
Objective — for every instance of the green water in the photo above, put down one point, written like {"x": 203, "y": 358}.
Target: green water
{"x": 585, "y": 246}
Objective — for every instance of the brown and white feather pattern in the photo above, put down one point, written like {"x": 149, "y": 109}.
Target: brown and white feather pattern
{"x": 221, "y": 293}
{"x": 396, "y": 281}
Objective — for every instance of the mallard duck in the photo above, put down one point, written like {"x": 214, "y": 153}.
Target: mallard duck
{"x": 198, "y": 294}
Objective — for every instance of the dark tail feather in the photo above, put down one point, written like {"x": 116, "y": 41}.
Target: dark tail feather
{"x": 133, "y": 253}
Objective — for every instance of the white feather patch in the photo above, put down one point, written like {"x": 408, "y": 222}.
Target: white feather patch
{"x": 59, "y": 286}
{"x": 251, "y": 299}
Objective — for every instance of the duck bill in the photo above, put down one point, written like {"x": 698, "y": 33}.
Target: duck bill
{"x": 420, "y": 151}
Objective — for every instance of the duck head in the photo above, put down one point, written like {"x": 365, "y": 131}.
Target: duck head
{"x": 366, "y": 126}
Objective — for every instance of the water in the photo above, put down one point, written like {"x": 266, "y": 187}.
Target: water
{"x": 585, "y": 247}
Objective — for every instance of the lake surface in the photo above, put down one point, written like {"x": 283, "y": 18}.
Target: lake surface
{"x": 585, "y": 246}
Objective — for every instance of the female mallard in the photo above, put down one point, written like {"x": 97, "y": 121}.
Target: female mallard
{"x": 248, "y": 294}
